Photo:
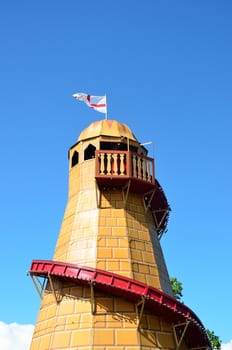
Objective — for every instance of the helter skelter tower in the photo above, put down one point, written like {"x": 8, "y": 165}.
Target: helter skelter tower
{"x": 107, "y": 287}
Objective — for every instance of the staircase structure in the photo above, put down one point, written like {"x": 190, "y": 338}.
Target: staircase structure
{"x": 107, "y": 287}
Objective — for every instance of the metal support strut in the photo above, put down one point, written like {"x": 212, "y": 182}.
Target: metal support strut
{"x": 38, "y": 285}
{"x": 93, "y": 304}
{"x": 182, "y": 330}
{"x": 53, "y": 288}
{"x": 140, "y": 314}
{"x": 125, "y": 192}
{"x": 148, "y": 204}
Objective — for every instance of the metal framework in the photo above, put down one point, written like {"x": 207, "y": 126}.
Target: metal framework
{"x": 149, "y": 298}
{"x": 140, "y": 313}
{"x": 179, "y": 331}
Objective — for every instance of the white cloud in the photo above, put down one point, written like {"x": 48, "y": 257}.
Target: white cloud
{"x": 227, "y": 346}
{"x": 15, "y": 336}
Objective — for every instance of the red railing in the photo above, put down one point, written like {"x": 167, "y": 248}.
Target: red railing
{"x": 124, "y": 164}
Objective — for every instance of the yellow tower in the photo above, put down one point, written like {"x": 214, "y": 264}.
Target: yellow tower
{"x": 107, "y": 287}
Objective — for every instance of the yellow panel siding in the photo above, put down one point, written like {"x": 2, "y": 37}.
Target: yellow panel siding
{"x": 127, "y": 337}
{"x": 81, "y": 337}
{"x": 104, "y": 337}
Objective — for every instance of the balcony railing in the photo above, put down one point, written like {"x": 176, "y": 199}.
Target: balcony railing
{"x": 124, "y": 164}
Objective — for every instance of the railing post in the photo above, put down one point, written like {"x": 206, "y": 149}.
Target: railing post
{"x": 121, "y": 164}
{"x": 115, "y": 164}
{"x": 149, "y": 179}
{"x": 139, "y": 166}
{"x": 134, "y": 165}
{"x": 102, "y": 167}
{"x": 129, "y": 164}
{"x": 108, "y": 164}
{"x": 153, "y": 171}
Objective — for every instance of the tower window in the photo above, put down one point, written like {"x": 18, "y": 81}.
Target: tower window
{"x": 115, "y": 146}
{"x": 89, "y": 152}
{"x": 75, "y": 159}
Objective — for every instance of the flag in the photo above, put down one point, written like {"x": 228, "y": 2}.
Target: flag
{"x": 96, "y": 102}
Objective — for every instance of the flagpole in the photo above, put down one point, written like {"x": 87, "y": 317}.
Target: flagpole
{"x": 106, "y": 116}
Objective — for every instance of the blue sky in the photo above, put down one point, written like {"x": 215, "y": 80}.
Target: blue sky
{"x": 166, "y": 69}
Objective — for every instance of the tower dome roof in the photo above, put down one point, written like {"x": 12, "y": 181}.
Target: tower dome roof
{"x": 106, "y": 127}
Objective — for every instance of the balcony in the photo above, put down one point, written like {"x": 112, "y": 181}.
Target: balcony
{"x": 117, "y": 167}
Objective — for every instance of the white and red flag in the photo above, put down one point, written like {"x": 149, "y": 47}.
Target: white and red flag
{"x": 96, "y": 102}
